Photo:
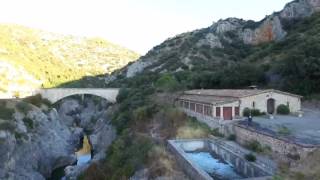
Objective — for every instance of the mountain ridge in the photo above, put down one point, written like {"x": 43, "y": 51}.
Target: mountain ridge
{"x": 252, "y": 33}
{"x": 218, "y": 52}
{"x": 52, "y": 58}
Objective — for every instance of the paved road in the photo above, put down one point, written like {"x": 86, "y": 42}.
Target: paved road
{"x": 305, "y": 129}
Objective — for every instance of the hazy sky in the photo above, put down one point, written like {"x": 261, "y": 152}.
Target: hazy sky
{"x": 135, "y": 24}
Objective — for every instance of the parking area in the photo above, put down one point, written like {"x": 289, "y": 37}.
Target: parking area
{"x": 304, "y": 129}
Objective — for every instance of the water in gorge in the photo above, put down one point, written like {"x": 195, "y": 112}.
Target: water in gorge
{"x": 83, "y": 157}
{"x": 215, "y": 167}
{"x": 84, "y": 154}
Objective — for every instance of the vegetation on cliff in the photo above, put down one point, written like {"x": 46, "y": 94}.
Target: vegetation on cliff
{"x": 55, "y": 59}
{"x": 291, "y": 64}
{"x": 145, "y": 121}
{"x": 145, "y": 118}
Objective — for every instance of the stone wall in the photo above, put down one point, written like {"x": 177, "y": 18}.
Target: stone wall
{"x": 261, "y": 101}
{"x": 234, "y": 156}
{"x": 241, "y": 165}
{"x": 191, "y": 169}
{"x": 225, "y": 127}
{"x": 280, "y": 146}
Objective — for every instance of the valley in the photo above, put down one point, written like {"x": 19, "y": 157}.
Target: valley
{"x": 236, "y": 99}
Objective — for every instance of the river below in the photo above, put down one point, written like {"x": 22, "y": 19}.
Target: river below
{"x": 83, "y": 157}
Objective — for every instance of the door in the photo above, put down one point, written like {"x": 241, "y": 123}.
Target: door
{"x": 227, "y": 113}
{"x": 271, "y": 106}
{"x": 217, "y": 111}
{"x": 237, "y": 111}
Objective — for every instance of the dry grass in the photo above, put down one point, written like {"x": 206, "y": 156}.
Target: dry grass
{"x": 307, "y": 169}
{"x": 186, "y": 132}
{"x": 162, "y": 164}
{"x": 193, "y": 129}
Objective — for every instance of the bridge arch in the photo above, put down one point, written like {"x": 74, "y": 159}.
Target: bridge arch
{"x": 56, "y": 94}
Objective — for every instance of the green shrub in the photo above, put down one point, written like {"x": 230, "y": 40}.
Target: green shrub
{"x": 167, "y": 82}
{"x": 143, "y": 113}
{"x": 37, "y": 100}
{"x": 232, "y": 137}
{"x": 283, "y": 130}
{"x": 23, "y": 107}
{"x": 126, "y": 154}
{"x": 250, "y": 157}
{"x": 9, "y": 126}
{"x": 283, "y": 109}
{"x": 28, "y": 122}
{"x": 6, "y": 113}
{"x": 46, "y": 102}
{"x": 253, "y": 112}
{"x": 295, "y": 157}
{"x": 2, "y": 141}
{"x": 255, "y": 146}
{"x": 215, "y": 132}
{"x": 246, "y": 112}
{"x": 93, "y": 119}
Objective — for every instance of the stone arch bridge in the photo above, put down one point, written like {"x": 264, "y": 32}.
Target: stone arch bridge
{"x": 56, "y": 94}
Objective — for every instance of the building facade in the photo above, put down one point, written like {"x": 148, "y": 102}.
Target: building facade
{"x": 229, "y": 104}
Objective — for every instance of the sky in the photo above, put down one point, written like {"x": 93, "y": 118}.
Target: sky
{"x": 135, "y": 24}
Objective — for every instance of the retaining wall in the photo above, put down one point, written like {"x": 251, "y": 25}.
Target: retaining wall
{"x": 278, "y": 145}
{"x": 190, "y": 168}
{"x": 243, "y": 134}
{"x": 241, "y": 165}
{"x": 224, "y": 127}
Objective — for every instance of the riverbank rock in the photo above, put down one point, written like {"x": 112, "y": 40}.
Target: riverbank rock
{"x": 91, "y": 115}
{"x": 34, "y": 144}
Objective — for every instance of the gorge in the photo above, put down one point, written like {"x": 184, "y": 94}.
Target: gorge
{"x": 42, "y": 139}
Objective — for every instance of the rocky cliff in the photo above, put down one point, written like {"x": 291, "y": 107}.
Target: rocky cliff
{"x": 220, "y": 44}
{"x": 34, "y": 141}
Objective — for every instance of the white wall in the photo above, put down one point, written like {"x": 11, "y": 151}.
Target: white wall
{"x": 261, "y": 101}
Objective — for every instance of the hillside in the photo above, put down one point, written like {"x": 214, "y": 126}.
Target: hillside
{"x": 53, "y": 59}
{"x": 278, "y": 51}
{"x": 281, "y": 51}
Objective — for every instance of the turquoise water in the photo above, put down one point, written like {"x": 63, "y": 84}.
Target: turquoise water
{"x": 83, "y": 159}
{"x": 215, "y": 167}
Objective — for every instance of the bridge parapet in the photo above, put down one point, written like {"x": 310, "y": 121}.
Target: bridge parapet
{"x": 56, "y": 94}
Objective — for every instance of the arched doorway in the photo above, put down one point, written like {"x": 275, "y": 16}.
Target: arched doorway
{"x": 271, "y": 106}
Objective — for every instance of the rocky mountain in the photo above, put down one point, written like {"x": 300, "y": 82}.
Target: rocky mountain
{"x": 189, "y": 47}
{"x": 51, "y": 59}
{"x": 235, "y": 53}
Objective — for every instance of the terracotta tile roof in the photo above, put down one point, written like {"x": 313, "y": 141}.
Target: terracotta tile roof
{"x": 215, "y": 100}
{"x": 235, "y": 93}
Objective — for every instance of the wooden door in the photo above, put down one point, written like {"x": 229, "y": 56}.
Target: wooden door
{"x": 227, "y": 113}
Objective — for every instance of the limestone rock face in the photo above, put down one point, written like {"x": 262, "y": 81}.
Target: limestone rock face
{"x": 36, "y": 143}
{"x": 189, "y": 49}
{"x": 35, "y": 153}
{"x": 136, "y": 67}
{"x": 230, "y": 24}
{"x": 211, "y": 40}
{"x": 300, "y": 9}
{"x": 269, "y": 30}
{"x": 88, "y": 115}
